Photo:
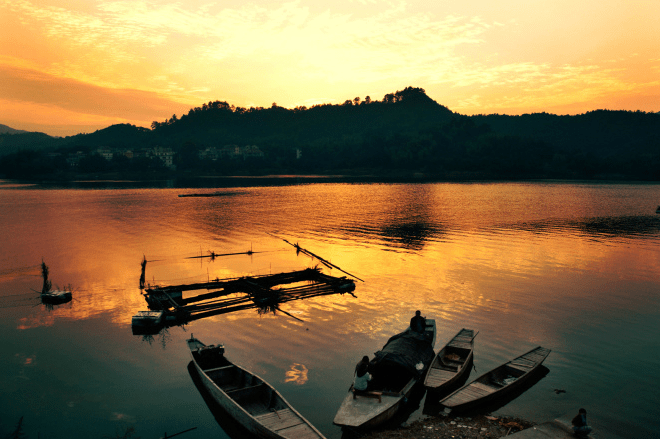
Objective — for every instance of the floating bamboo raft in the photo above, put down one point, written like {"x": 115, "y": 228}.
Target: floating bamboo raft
{"x": 265, "y": 292}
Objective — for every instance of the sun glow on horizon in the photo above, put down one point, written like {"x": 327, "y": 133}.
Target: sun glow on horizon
{"x": 67, "y": 67}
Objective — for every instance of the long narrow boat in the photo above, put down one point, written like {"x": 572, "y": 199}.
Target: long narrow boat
{"x": 395, "y": 370}
{"x": 248, "y": 399}
{"x": 497, "y": 382}
{"x": 451, "y": 362}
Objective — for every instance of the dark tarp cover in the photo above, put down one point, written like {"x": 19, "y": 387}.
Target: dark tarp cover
{"x": 400, "y": 355}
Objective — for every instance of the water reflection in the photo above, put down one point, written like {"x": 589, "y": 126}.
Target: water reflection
{"x": 599, "y": 227}
{"x": 574, "y": 267}
{"x": 409, "y": 236}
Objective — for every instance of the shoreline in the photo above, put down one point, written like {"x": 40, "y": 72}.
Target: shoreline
{"x": 443, "y": 427}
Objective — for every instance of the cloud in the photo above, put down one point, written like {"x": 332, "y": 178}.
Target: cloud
{"x": 27, "y": 85}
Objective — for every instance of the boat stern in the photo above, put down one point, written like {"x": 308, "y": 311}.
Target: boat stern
{"x": 359, "y": 411}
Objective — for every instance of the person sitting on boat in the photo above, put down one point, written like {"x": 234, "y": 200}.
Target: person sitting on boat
{"x": 362, "y": 375}
{"x": 418, "y": 323}
{"x": 580, "y": 427}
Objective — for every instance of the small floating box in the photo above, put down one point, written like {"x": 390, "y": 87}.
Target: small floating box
{"x": 148, "y": 319}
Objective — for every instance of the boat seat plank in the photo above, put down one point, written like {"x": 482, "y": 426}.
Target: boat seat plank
{"x": 435, "y": 382}
{"x": 245, "y": 389}
{"x": 441, "y": 373}
{"x": 523, "y": 369}
{"x": 482, "y": 387}
{"x": 519, "y": 364}
{"x": 301, "y": 431}
{"x": 279, "y": 420}
{"x": 459, "y": 344}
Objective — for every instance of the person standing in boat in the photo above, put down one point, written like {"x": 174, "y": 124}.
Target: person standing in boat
{"x": 362, "y": 375}
{"x": 418, "y": 323}
{"x": 580, "y": 427}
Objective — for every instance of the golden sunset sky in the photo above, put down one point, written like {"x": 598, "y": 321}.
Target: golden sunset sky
{"x": 80, "y": 65}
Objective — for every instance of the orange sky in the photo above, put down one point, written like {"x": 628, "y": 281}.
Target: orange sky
{"x": 79, "y": 65}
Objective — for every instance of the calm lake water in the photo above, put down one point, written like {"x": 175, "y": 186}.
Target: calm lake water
{"x": 574, "y": 267}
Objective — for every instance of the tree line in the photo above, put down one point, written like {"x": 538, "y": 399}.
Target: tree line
{"x": 405, "y": 132}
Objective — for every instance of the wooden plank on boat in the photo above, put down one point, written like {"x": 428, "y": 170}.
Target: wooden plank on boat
{"x": 462, "y": 345}
{"x": 300, "y": 431}
{"x": 439, "y": 376}
{"x": 484, "y": 387}
{"x": 518, "y": 368}
{"x": 279, "y": 420}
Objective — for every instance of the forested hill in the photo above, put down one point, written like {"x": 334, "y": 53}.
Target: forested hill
{"x": 404, "y": 132}
{"x": 409, "y": 110}
{"x": 600, "y": 132}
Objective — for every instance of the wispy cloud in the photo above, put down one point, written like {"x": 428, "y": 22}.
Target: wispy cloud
{"x": 104, "y": 54}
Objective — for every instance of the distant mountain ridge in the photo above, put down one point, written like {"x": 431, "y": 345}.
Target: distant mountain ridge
{"x": 406, "y": 130}
{"x": 4, "y": 129}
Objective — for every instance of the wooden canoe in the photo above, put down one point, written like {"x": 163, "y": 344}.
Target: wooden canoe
{"x": 451, "y": 362}
{"x": 497, "y": 382}
{"x": 247, "y": 398}
{"x": 369, "y": 409}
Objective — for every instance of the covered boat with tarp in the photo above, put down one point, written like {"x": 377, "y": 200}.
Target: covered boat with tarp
{"x": 395, "y": 369}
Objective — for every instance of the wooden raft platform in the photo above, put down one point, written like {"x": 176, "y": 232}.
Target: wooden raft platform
{"x": 234, "y": 294}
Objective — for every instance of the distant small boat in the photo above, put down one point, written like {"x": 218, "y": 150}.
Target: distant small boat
{"x": 56, "y": 296}
{"x": 452, "y": 361}
{"x": 210, "y": 194}
{"x": 397, "y": 371}
{"x": 497, "y": 382}
{"x": 247, "y": 398}
{"x": 147, "y": 319}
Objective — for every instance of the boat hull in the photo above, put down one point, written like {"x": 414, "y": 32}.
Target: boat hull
{"x": 279, "y": 422}
{"x": 442, "y": 376}
{"x": 232, "y": 409}
{"x": 493, "y": 384}
{"x": 368, "y": 411}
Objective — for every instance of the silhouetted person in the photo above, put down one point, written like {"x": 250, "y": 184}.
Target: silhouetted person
{"x": 418, "y": 323}
{"x": 580, "y": 427}
{"x": 362, "y": 375}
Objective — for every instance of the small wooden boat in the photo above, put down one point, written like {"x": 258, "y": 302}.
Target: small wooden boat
{"x": 392, "y": 381}
{"x": 452, "y": 361}
{"x": 55, "y": 297}
{"x": 248, "y": 399}
{"x": 497, "y": 382}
